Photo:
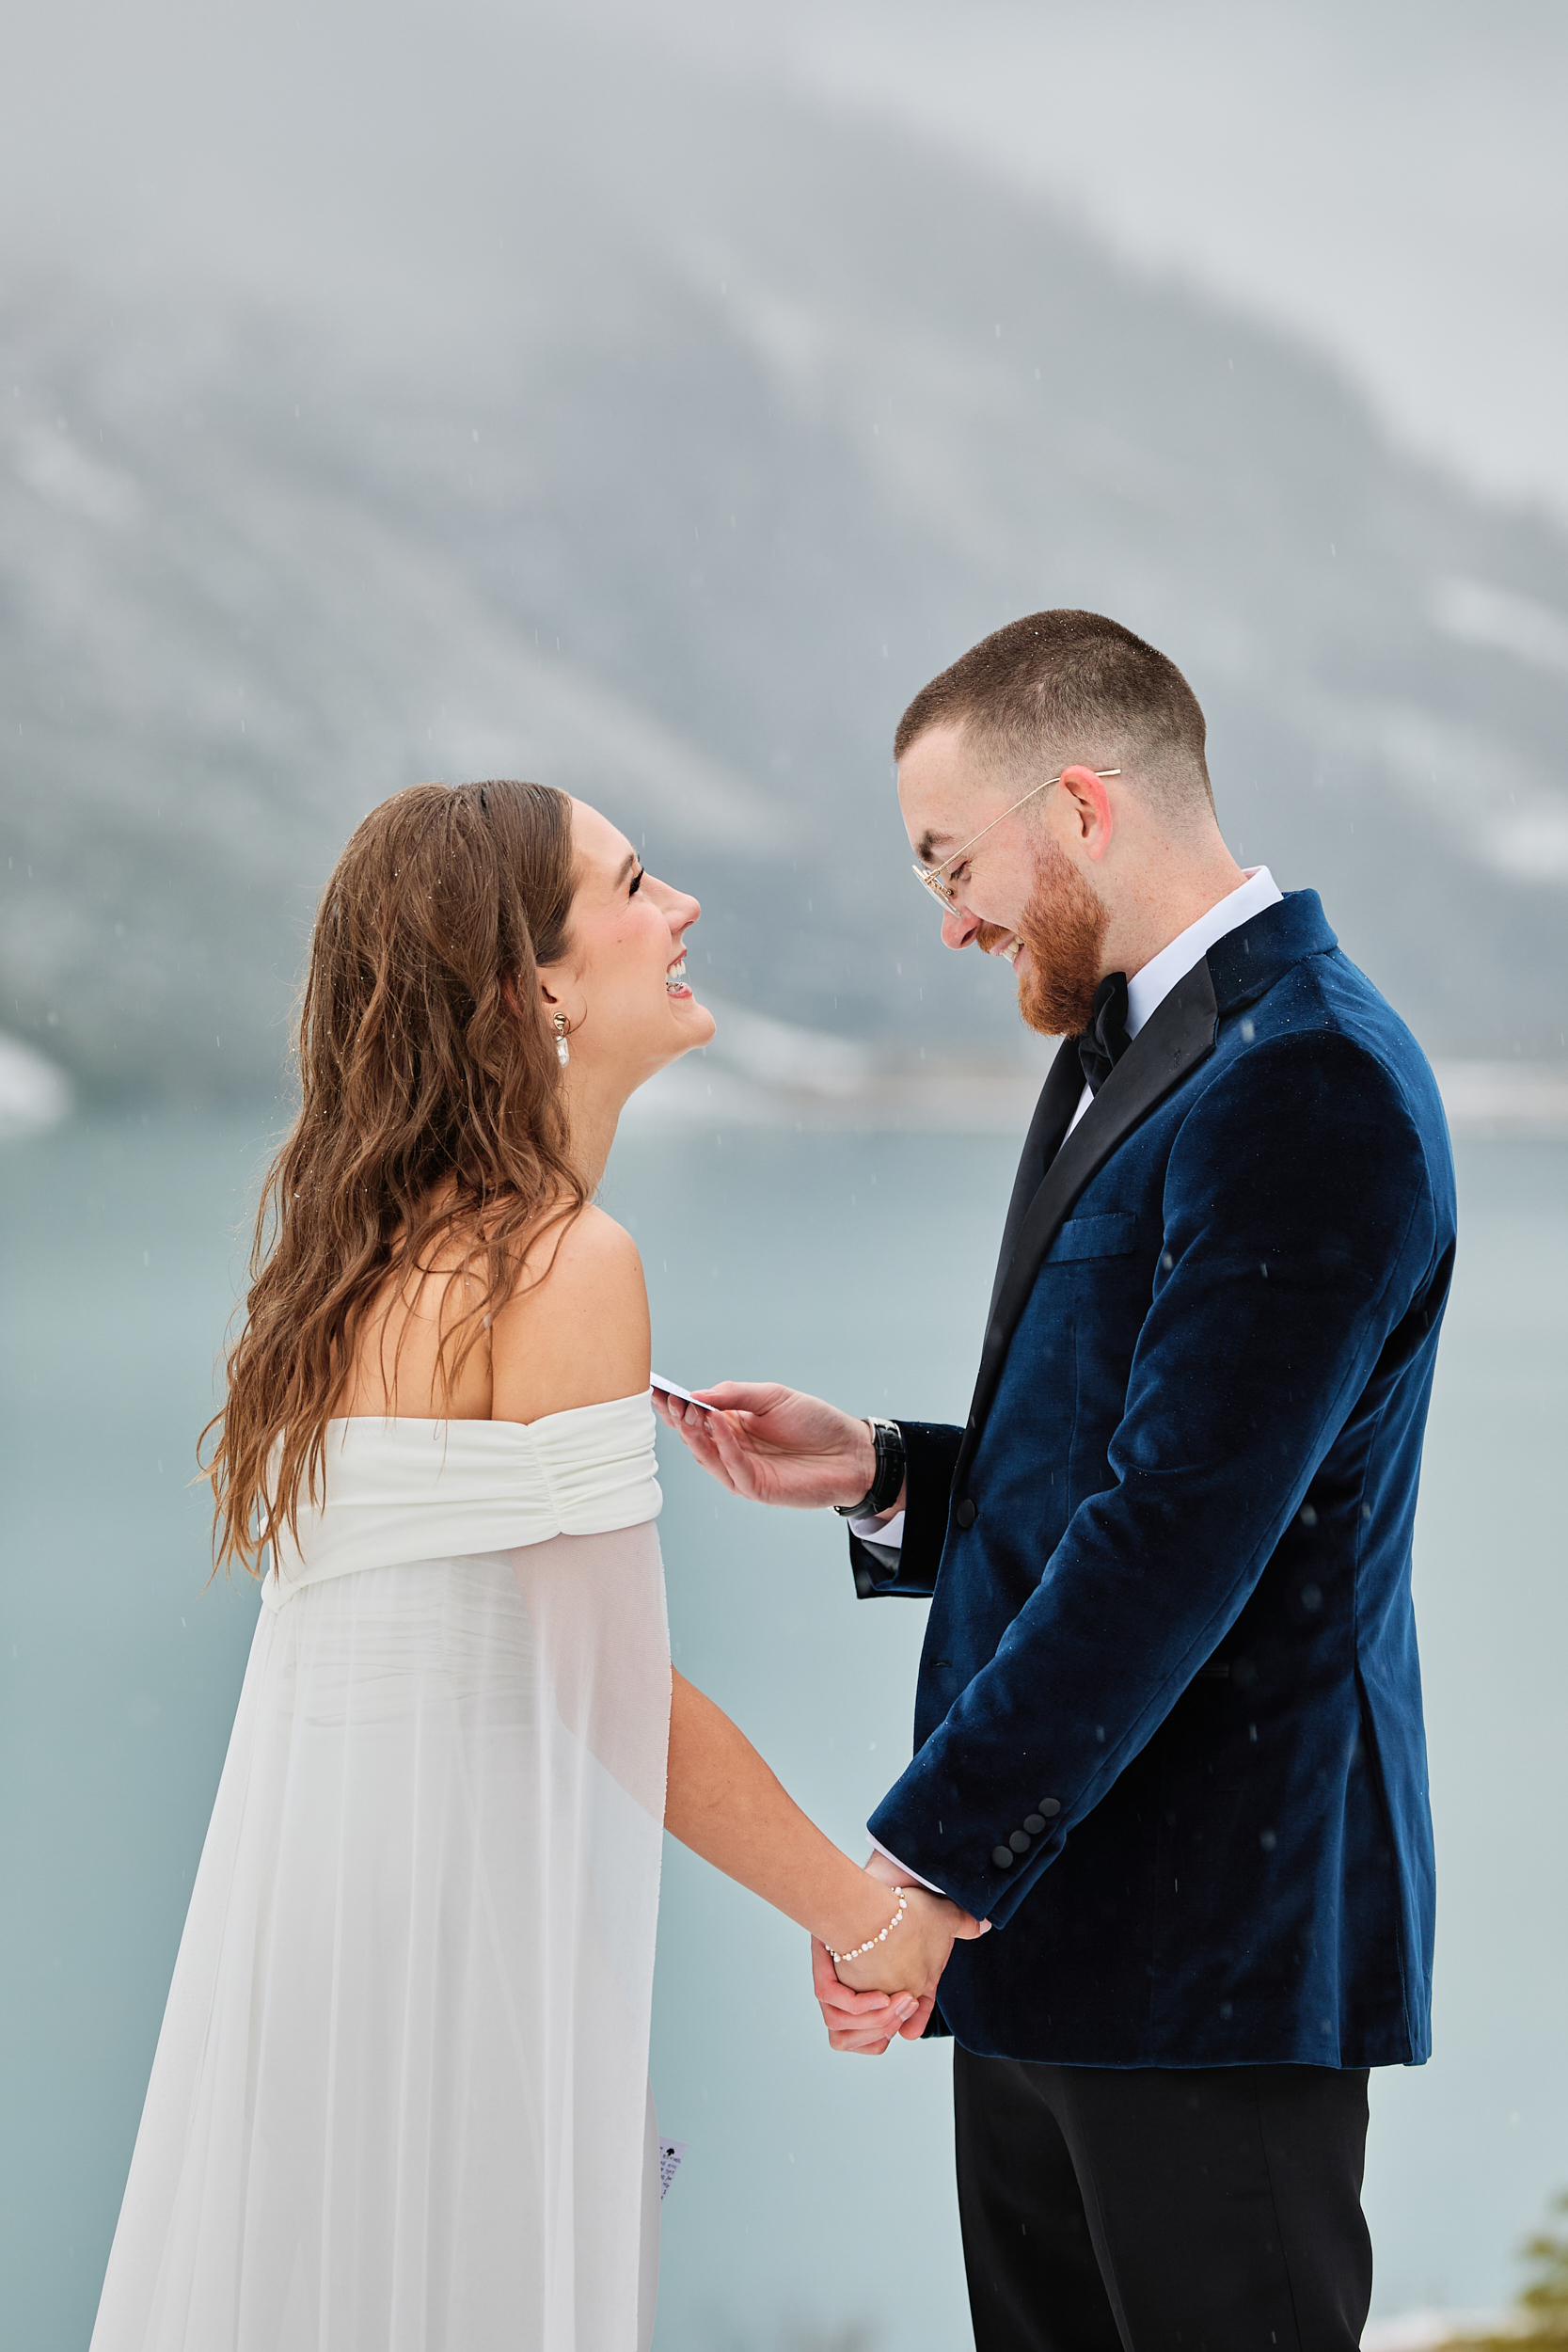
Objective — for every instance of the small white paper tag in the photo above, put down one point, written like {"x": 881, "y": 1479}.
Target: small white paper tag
{"x": 669, "y": 2154}
{"x": 673, "y": 1388}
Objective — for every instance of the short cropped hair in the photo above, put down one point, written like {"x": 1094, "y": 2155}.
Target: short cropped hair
{"x": 1066, "y": 688}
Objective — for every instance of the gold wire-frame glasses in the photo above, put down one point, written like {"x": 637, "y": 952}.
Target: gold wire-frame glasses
{"x": 929, "y": 877}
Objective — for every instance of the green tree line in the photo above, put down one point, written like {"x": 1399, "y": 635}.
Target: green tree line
{"x": 1543, "y": 2321}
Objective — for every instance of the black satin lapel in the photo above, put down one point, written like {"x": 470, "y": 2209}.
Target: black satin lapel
{"x": 1177, "y": 1036}
{"x": 1058, "y": 1100}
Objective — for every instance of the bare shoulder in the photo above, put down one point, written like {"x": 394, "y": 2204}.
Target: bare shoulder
{"x": 592, "y": 1243}
{"x": 589, "y": 1262}
{"x": 575, "y": 1330}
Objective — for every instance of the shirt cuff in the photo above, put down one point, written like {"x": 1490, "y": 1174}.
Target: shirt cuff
{"x": 887, "y": 1534}
{"x": 913, "y": 1876}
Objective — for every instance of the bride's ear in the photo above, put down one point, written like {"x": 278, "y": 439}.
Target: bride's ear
{"x": 560, "y": 997}
{"x": 511, "y": 998}
{"x": 556, "y": 988}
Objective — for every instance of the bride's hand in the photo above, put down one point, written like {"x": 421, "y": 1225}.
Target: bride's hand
{"x": 916, "y": 1950}
{"x": 775, "y": 1445}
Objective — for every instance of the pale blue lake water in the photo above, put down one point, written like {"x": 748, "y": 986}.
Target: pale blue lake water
{"x": 815, "y": 2208}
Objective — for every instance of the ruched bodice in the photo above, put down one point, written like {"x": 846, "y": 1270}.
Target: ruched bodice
{"x": 401, "y": 1489}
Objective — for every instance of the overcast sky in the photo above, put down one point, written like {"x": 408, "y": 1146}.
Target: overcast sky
{"x": 1387, "y": 179}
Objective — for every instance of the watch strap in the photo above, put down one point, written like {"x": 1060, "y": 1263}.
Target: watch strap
{"x": 887, "y": 1440}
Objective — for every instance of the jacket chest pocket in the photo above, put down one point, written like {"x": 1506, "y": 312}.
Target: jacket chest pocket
{"x": 1112, "y": 1236}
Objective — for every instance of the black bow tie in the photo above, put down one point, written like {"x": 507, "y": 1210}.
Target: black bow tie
{"x": 1101, "y": 1045}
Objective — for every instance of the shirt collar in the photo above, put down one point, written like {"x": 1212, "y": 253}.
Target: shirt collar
{"x": 1149, "y": 988}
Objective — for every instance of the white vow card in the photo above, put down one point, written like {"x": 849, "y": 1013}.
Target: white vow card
{"x": 669, "y": 2154}
{"x": 673, "y": 1388}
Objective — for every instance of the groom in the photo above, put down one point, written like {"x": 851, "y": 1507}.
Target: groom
{"x": 1168, "y": 1721}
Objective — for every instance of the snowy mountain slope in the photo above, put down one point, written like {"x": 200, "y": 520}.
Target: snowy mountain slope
{"x": 766, "y": 425}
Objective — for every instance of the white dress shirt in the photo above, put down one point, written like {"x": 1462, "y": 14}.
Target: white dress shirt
{"x": 1146, "y": 991}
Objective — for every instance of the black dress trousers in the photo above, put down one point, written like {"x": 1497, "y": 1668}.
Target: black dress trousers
{"x": 1215, "y": 2209}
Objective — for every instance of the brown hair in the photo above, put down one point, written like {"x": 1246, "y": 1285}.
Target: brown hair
{"x": 1065, "y": 687}
{"x": 429, "y": 1110}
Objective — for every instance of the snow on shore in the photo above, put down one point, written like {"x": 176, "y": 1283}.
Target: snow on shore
{"x": 33, "y": 1093}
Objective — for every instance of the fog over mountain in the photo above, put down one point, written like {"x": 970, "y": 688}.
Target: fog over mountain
{"x": 767, "y": 423}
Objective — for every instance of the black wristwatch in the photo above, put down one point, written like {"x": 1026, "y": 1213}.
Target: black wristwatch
{"x": 888, "y": 1477}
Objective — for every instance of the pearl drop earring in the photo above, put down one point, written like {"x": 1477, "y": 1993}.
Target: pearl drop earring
{"x": 562, "y": 1051}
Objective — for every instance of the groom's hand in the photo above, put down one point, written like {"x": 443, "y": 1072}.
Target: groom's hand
{"x": 774, "y": 1445}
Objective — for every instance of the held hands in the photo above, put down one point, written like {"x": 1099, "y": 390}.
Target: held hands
{"x": 913, "y": 1958}
{"x": 889, "y": 1991}
{"x": 775, "y": 1445}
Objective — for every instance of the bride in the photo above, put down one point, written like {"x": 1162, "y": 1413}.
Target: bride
{"x": 400, "y": 2098}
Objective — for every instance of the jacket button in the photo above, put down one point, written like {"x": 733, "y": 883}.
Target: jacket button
{"x": 1019, "y": 1841}
{"x": 1034, "y": 1823}
{"x": 966, "y": 1512}
{"x": 1051, "y": 1806}
{"x": 1003, "y": 1857}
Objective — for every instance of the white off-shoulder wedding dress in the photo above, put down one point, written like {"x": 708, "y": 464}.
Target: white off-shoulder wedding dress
{"x": 400, "y": 2098}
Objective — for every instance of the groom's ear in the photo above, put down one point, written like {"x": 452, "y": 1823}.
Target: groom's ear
{"x": 1092, "y": 808}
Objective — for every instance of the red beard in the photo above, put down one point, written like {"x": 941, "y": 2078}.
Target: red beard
{"x": 1062, "y": 927}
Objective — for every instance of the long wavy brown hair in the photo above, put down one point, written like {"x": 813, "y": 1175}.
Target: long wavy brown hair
{"x": 430, "y": 1111}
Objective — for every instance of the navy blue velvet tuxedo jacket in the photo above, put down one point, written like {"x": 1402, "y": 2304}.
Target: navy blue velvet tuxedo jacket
{"x": 1168, "y": 1727}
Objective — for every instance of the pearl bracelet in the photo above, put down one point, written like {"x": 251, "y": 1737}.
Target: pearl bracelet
{"x": 841, "y": 1959}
